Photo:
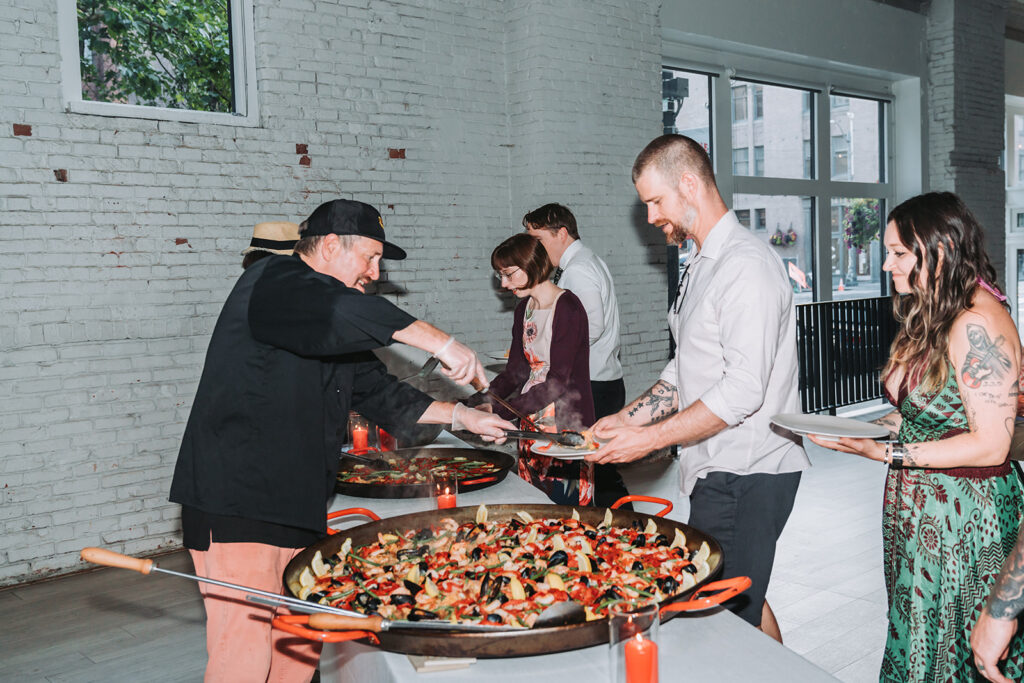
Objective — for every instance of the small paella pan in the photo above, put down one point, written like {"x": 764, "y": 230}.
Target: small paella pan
{"x": 408, "y": 475}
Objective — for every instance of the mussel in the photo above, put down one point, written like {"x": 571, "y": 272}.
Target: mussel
{"x": 476, "y": 553}
{"x": 637, "y": 566}
{"x": 515, "y": 525}
{"x": 413, "y": 587}
{"x": 667, "y": 585}
{"x": 613, "y": 593}
{"x": 402, "y": 599}
{"x": 640, "y": 541}
{"x": 367, "y": 602}
{"x": 424, "y": 534}
{"x": 591, "y": 534}
{"x": 420, "y": 614}
{"x": 493, "y": 619}
{"x": 558, "y": 557}
{"x": 409, "y": 553}
{"x": 661, "y": 540}
{"x": 690, "y": 569}
{"x": 316, "y": 597}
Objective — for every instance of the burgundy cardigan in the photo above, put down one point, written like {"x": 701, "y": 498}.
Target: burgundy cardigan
{"x": 568, "y": 379}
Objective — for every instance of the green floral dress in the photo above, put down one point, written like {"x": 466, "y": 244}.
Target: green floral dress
{"x": 945, "y": 535}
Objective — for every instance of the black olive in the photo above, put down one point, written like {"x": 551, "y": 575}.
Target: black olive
{"x": 419, "y": 614}
{"x": 668, "y": 585}
{"x": 681, "y": 552}
{"x": 558, "y": 557}
{"x": 566, "y": 527}
{"x": 525, "y": 573}
{"x": 637, "y": 566}
{"x": 424, "y": 566}
{"x": 600, "y": 541}
{"x": 526, "y": 556}
{"x": 640, "y": 541}
{"x": 515, "y": 525}
{"x": 530, "y": 590}
{"x": 316, "y": 597}
{"x": 584, "y": 581}
{"x": 690, "y": 569}
{"x": 402, "y": 599}
{"x": 413, "y": 587}
{"x": 591, "y": 534}
{"x": 387, "y": 568}
{"x": 635, "y": 524}
{"x": 493, "y": 619}
{"x": 476, "y": 554}
{"x": 475, "y": 612}
{"x": 661, "y": 540}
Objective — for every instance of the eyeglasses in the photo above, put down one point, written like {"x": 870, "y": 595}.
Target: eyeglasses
{"x": 499, "y": 275}
{"x": 682, "y": 286}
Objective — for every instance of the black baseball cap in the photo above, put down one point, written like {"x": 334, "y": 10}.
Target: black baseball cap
{"x": 349, "y": 217}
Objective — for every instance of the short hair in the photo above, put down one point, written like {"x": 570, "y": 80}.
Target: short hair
{"x": 552, "y": 217}
{"x": 673, "y": 155}
{"x": 523, "y": 251}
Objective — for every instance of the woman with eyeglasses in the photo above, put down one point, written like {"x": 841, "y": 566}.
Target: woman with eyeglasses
{"x": 548, "y": 371}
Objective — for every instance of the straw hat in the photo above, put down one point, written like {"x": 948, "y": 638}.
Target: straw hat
{"x": 277, "y": 237}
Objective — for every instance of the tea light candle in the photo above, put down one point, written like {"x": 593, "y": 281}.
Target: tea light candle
{"x": 445, "y": 500}
{"x": 641, "y": 660}
{"x": 360, "y": 438}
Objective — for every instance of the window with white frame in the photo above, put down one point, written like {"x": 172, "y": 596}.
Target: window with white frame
{"x": 182, "y": 60}
{"x": 778, "y": 193}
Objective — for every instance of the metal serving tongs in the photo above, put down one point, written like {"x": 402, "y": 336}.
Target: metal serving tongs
{"x": 567, "y": 438}
{"x": 341, "y": 619}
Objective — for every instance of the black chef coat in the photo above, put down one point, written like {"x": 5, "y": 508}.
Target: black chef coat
{"x": 289, "y": 357}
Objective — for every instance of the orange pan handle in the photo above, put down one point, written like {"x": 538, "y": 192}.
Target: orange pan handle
{"x": 728, "y": 588}
{"x": 645, "y": 499}
{"x": 111, "y": 559}
{"x": 296, "y": 625}
{"x": 350, "y": 511}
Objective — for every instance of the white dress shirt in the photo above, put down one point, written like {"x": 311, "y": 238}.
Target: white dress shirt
{"x": 586, "y": 275}
{"x": 734, "y": 327}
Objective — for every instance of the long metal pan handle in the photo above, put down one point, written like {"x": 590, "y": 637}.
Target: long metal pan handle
{"x": 729, "y": 588}
{"x": 645, "y": 499}
{"x": 111, "y": 559}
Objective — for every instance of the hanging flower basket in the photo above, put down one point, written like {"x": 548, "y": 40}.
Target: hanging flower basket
{"x": 783, "y": 239}
{"x": 861, "y": 224}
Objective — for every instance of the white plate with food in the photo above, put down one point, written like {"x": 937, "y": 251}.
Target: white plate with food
{"x": 829, "y": 426}
{"x": 554, "y": 450}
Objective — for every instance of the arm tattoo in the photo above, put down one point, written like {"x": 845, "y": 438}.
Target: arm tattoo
{"x": 1007, "y": 599}
{"x": 891, "y": 420}
{"x": 909, "y": 460}
{"x": 656, "y": 401}
{"x": 985, "y": 361}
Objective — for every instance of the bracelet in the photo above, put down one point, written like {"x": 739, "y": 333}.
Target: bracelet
{"x": 448, "y": 343}
{"x": 887, "y": 456}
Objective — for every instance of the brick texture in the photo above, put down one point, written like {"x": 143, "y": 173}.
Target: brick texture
{"x": 113, "y": 274}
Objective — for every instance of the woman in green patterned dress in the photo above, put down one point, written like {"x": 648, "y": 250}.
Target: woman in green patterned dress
{"x": 953, "y": 502}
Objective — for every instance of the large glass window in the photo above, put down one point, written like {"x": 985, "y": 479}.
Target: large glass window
{"x": 188, "y": 60}
{"x": 825, "y": 226}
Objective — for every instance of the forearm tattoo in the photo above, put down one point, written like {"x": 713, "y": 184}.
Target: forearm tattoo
{"x": 1007, "y": 599}
{"x": 985, "y": 363}
{"x": 892, "y": 421}
{"x": 656, "y": 402}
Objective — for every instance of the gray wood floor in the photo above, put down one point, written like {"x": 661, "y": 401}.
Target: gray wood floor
{"x": 116, "y": 625}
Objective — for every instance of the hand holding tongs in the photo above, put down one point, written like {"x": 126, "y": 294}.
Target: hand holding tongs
{"x": 506, "y": 405}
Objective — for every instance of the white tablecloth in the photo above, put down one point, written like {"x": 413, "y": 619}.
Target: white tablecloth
{"x": 714, "y": 645}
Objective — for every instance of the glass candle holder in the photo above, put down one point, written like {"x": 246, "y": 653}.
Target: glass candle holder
{"x": 633, "y": 643}
{"x": 445, "y": 489}
{"x": 387, "y": 442}
{"x": 361, "y": 433}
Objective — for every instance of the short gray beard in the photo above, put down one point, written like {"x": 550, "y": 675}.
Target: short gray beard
{"x": 681, "y": 232}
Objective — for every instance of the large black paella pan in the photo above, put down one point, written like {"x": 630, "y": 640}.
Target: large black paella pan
{"x": 523, "y": 641}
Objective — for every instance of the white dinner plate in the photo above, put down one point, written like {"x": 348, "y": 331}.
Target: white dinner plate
{"x": 560, "y": 452}
{"x": 829, "y": 426}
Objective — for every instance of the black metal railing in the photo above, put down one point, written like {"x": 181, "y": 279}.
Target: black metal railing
{"x": 842, "y": 346}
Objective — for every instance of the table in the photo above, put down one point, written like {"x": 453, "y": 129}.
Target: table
{"x": 713, "y": 645}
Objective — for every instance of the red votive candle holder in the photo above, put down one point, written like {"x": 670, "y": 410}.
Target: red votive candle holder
{"x": 445, "y": 489}
{"x": 641, "y": 660}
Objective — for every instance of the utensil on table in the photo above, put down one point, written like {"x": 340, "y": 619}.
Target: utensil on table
{"x": 351, "y": 619}
{"x": 567, "y": 438}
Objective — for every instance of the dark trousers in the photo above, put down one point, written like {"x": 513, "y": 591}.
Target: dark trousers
{"x": 745, "y": 513}
{"x": 609, "y": 398}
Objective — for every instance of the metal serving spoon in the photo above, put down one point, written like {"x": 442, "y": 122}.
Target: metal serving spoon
{"x": 567, "y": 438}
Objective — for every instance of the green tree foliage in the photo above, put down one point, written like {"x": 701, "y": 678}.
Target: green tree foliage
{"x": 861, "y": 223}
{"x": 165, "y": 53}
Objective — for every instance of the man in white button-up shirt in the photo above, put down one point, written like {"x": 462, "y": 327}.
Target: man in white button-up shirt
{"x": 583, "y": 273}
{"x": 735, "y": 366}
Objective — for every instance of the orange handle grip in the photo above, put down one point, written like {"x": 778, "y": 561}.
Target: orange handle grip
{"x": 729, "y": 588}
{"x": 350, "y": 511}
{"x": 296, "y": 625}
{"x": 111, "y": 559}
{"x": 645, "y": 499}
{"x": 324, "y": 621}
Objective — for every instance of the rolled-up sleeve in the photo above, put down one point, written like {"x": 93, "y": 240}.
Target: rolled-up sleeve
{"x": 748, "y": 312}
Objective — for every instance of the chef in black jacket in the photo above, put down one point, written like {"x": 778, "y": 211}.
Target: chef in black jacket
{"x": 289, "y": 357}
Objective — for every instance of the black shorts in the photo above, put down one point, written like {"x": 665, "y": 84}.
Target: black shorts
{"x": 745, "y": 513}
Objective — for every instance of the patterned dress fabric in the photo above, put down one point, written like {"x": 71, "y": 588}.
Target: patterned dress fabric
{"x": 945, "y": 535}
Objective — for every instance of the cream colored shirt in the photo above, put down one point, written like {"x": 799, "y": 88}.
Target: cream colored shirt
{"x": 734, "y": 327}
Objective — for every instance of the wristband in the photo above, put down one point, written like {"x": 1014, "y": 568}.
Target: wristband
{"x": 437, "y": 354}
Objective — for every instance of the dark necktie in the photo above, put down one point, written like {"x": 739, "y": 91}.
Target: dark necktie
{"x": 556, "y": 276}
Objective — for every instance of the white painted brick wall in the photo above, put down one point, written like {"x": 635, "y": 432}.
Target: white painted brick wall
{"x": 112, "y": 281}
{"x": 966, "y": 102}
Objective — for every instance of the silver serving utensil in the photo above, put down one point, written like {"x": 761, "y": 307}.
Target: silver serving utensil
{"x": 427, "y": 368}
{"x": 566, "y": 438}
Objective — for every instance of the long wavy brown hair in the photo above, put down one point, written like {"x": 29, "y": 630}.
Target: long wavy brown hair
{"x": 948, "y": 242}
